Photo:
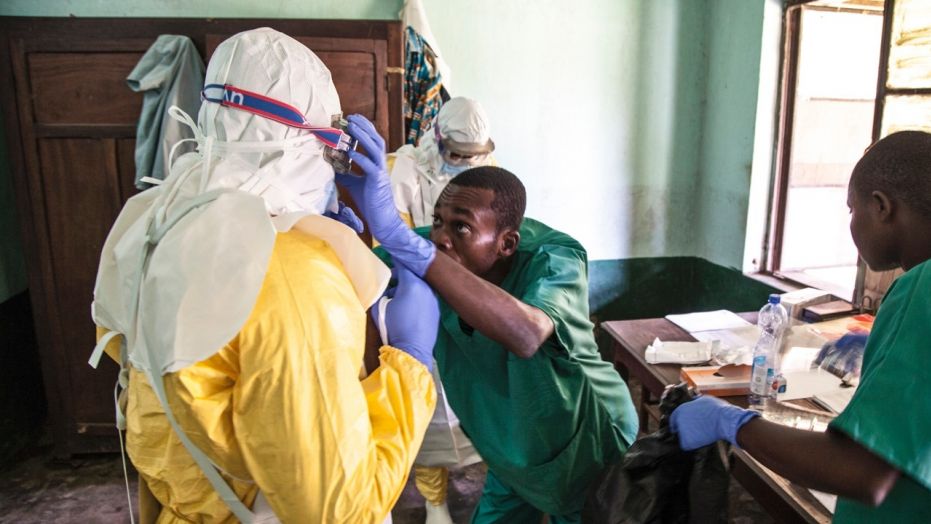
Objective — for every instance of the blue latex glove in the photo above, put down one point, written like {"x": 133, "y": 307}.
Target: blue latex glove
{"x": 412, "y": 317}
{"x": 706, "y": 420}
{"x": 844, "y": 356}
{"x": 372, "y": 193}
{"x": 347, "y": 217}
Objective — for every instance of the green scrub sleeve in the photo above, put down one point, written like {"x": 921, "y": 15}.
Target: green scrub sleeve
{"x": 558, "y": 287}
{"x": 890, "y": 413}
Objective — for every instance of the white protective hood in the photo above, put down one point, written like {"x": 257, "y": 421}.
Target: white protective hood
{"x": 420, "y": 168}
{"x": 193, "y": 252}
{"x": 275, "y": 65}
{"x": 462, "y": 120}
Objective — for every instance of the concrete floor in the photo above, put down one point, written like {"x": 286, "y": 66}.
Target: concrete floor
{"x": 37, "y": 489}
{"x": 91, "y": 490}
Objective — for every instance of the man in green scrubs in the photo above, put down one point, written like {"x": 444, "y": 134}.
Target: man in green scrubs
{"x": 516, "y": 350}
{"x": 876, "y": 455}
{"x": 546, "y": 418}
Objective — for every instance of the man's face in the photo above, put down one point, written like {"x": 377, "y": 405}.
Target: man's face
{"x": 465, "y": 228}
{"x": 872, "y": 240}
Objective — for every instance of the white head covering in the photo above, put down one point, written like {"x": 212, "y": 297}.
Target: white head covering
{"x": 277, "y": 66}
{"x": 167, "y": 266}
{"x": 420, "y": 173}
{"x": 463, "y": 127}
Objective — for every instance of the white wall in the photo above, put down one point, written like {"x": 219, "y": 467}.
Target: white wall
{"x": 632, "y": 123}
{"x": 555, "y": 78}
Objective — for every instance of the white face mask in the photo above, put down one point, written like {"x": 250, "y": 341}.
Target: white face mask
{"x": 452, "y": 170}
{"x": 331, "y": 200}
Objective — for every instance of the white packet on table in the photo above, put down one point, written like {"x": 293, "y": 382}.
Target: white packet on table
{"x": 660, "y": 352}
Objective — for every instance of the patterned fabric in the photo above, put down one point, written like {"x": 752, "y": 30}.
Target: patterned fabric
{"x": 422, "y": 86}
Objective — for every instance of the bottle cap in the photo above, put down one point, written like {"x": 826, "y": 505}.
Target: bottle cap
{"x": 774, "y": 299}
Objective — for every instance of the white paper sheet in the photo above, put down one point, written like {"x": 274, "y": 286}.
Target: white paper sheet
{"x": 708, "y": 320}
{"x": 826, "y": 499}
{"x": 836, "y": 400}
{"x": 674, "y": 352}
{"x": 806, "y": 384}
{"x": 798, "y": 359}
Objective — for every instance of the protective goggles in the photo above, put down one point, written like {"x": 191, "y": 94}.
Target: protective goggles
{"x": 456, "y": 154}
{"x": 337, "y": 141}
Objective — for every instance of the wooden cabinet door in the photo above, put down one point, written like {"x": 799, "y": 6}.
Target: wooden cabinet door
{"x": 77, "y": 119}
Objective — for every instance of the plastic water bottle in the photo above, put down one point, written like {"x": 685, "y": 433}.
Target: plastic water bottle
{"x": 772, "y": 321}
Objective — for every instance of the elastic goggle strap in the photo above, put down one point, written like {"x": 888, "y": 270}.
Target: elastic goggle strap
{"x": 230, "y": 96}
{"x": 241, "y": 146}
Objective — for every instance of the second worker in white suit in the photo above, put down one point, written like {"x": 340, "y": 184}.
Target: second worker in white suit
{"x": 459, "y": 138}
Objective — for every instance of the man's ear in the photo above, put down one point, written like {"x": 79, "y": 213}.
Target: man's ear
{"x": 882, "y": 205}
{"x": 508, "y": 242}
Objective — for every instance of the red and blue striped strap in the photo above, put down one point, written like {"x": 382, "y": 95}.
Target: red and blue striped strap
{"x": 230, "y": 96}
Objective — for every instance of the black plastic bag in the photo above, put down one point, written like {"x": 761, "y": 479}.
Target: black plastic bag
{"x": 657, "y": 482}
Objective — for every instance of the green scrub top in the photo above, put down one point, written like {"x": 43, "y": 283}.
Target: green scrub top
{"x": 895, "y": 379}
{"x": 546, "y": 425}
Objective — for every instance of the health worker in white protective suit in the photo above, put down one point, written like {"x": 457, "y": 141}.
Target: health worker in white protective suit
{"x": 459, "y": 138}
{"x": 238, "y": 313}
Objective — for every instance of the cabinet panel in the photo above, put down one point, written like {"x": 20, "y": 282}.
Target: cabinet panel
{"x": 81, "y": 191}
{"x": 353, "y": 75}
{"x": 62, "y": 94}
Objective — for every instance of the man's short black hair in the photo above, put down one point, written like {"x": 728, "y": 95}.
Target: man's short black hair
{"x": 510, "y": 200}
{"x": 899, "y": 165}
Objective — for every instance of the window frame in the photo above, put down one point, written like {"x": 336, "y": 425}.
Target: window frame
{"x": 778, "y": 200}
{"x": 871, "y": 285}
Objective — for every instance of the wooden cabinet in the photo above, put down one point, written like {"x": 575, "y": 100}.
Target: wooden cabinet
{"x": 70, "y": 123}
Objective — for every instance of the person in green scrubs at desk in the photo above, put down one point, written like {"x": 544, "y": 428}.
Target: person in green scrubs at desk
{"x": 516, "y": 354}
{"x": 876, "y": 455}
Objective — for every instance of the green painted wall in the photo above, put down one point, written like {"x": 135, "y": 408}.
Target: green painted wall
{"x": 670, "y": 106}
{"x": 655, "y": 287}
{"x": 630, "y": 76}
{"x": 663, "y": 93}
{"x": 560, "y": 82}
{"x": 734, "y": 30}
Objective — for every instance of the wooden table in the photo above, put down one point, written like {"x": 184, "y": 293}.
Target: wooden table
{"x": 785, "y": 501}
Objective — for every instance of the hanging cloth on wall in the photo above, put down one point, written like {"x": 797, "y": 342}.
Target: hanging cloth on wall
{"x": 422, "y": 85}
{"x": 414, "y": 15}
{"x": 170, "y": 73}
